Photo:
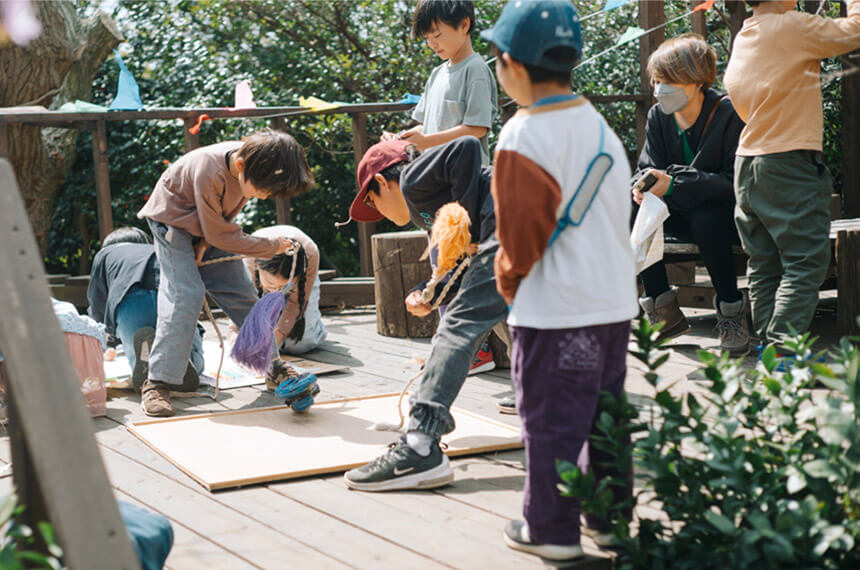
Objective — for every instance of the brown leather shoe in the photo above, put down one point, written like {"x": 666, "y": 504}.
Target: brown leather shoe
{"x": 280, "y": 372}
{"x": 665, "y": 308}
{"x": 155, "y": 399}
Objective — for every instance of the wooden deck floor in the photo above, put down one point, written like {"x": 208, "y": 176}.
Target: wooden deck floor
{"x": 317, "y": 522}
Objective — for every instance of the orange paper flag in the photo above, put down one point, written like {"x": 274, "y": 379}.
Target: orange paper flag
{"x": 196, "y": 128}
{"x": 706, "y": 5}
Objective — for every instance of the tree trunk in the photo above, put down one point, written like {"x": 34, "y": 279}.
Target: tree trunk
{"x": 57, "y": 67}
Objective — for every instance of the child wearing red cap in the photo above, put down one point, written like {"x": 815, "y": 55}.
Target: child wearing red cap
{"x": 398, "y": 184}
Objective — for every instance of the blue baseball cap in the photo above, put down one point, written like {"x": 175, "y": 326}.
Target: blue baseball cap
{"x": 527, "y": 29}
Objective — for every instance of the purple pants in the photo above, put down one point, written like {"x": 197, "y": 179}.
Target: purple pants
{"x": 558, "y": 375}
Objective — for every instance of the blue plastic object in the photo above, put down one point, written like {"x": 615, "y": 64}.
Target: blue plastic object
{"x": 298, "y": 393}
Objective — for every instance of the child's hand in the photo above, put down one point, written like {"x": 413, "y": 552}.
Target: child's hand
{"x": 416, "y": 137}
{"x": 416, "y": 306}
{"x": 662, "y": 185}
{"x": 387, "y": 136}
{"x": 199, "y": 250}
{"x": 110, "y": 354}
{"x": 284, "y": 245}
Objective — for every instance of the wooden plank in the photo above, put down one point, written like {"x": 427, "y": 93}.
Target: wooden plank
{"x": 699, "y": 20}
{"x": 346, "y": 292}
{"x": 102, "y": 179}
{"x": 307, "y": 525}
{"x": 651, "y": 14}
{"x": 4, "y": 141}
{"x": 332, "y": 437}
{"x": 848, "y": 279}
{"x": 360, "y": 144}
{"x": 850, "y": 131}
{"x": 192, "y": 141}
{"x": 53, "y": 417}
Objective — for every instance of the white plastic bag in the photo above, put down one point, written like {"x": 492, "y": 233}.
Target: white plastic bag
{"x": 647, "y": 235}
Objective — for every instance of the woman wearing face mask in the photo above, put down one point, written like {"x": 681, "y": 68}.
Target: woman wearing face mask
{"x": 691, "y": 138}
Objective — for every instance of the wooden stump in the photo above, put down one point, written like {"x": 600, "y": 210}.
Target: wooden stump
{"x": 848, "y": 280}
{"x": 397, "y": 268}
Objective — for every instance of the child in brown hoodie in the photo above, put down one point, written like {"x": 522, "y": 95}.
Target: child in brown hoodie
{"x": 191, "y": 215}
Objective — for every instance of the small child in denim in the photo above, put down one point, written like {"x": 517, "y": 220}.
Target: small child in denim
{"x": 560, "y": 187}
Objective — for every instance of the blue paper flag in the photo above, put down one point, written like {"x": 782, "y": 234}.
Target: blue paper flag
{"x": 613, "y": 4}
{"x": 410, "y": 98}
{"x": 632, "y": 33}
{"x": 127, "y": 92}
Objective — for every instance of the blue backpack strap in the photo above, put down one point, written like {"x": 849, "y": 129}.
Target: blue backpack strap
{"x": 587, "y": 190}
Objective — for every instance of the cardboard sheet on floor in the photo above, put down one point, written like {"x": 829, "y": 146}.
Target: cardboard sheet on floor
{"x": 244, "y": 447}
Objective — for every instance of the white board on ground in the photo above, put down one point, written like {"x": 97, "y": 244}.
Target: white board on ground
{"x": 245, "y": 447}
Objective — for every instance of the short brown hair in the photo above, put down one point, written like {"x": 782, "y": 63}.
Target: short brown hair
{"x": 275, "y": 163}
{"x": 687, "y": 59}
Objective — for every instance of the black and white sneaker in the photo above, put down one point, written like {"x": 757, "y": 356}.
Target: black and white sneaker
{"x": 507, "y": 405}
{"x": 517, "y": 537}
{"x": 401, "y": 467}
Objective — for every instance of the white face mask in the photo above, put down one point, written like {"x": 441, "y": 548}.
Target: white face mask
{"x": 671, "y": 99}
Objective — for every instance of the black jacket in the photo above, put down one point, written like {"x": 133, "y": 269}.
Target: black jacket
{"x": 116, "y": 269}
{"x": 710, "y": 176}
{"x": 451, "y": 172}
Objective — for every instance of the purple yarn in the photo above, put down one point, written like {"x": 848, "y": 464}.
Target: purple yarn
{"x": 253, "y": 346}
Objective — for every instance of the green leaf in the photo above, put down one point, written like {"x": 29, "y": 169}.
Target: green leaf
{"x": 720, "y": 522}
{"x": 796, "y": 482}
{"x": 768, "y": 358}
{"x": 820, "y": 468}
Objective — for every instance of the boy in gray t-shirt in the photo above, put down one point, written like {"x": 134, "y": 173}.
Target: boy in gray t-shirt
{"x": 460, "y": 97}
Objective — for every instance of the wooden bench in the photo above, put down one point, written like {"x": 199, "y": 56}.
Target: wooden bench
{"x": 844, "y": 273}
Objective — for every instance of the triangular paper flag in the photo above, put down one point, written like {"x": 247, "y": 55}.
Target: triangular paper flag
{"x": 631, "y": 34}
{"x": 410, "y": 98}
{"x": 316, "y": 104}
{"x": 81, "y": 107}
{"x": 196, "y": 128}
{"x": 244, "y": 97}
{"x": 706, "y": 5}
{"x": 127, "y": 92}
{"x": 613, "y": 4}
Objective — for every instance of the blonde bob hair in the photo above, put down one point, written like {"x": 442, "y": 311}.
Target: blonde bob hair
{"x": 687, "y": 59}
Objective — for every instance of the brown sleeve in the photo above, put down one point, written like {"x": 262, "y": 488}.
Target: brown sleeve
{"x": 526, "y": 198}
{"x": 217, "y": 231}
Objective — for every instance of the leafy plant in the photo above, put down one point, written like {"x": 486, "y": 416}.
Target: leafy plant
{"x": 18, "y": 542}
{"x": 762, "y": 469}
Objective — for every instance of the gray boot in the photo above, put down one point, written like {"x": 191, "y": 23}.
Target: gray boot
{"x": 665, "y": 308}
{"x": 733, "y": 325}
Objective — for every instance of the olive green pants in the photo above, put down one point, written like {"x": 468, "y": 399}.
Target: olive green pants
{"x": 783, "y": 220}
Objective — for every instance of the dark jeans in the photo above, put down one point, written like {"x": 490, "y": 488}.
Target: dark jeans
{"x": 712, "y": 228}
{"x": 558, "y": 375}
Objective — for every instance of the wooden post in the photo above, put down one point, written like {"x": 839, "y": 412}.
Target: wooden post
{"x": 651, "y": 14}
{"x": 847, "y": 280}
{"x": 50, "y": 426}
{"x": 192, "y": 141}
{"x": 360, "y": 144}
{"x": 284, "y": 214}
{"x": 4, "y": 140}
{"x": 851, "y": 132}
{"x": 397, "y": 268}
{"x": 100, "y": 163}
{"x": 699, "y": 20}
{"x": 737, "y": 14}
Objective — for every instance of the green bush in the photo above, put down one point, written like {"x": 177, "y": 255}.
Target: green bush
{"x": 18, "y": 543}
{"x": 761, "y": 470}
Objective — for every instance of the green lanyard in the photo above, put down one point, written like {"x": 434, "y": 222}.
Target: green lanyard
{"x": 685, "y": 144}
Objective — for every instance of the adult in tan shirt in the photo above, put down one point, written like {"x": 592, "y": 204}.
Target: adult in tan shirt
{"x": 191, "y": 215}
{"x": 782, "y": 186}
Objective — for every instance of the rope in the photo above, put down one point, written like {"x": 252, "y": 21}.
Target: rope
{"x": 454, "y": 276}
{"x": 382, "y": 426}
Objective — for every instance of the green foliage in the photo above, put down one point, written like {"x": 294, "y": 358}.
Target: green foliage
{"x": 187, "y": 53}
{"x": 766, "y": 476}
{"x": 18, "y": 543}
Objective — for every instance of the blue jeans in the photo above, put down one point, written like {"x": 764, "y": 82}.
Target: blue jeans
{"x": 477, "y": 309}
{"x": 181, "y": 292}
{"x": 137, "y": 310}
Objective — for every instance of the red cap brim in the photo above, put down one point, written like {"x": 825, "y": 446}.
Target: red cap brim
{"x": 361, "y": 212}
